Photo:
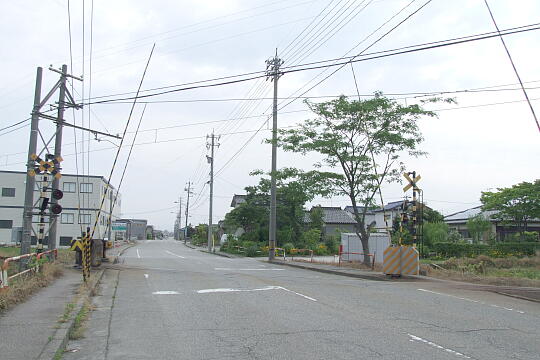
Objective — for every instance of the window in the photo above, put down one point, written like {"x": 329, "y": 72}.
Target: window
{"x": 84, "y": 218}
{"x": 8, "y": 192}
{"x": 67, "y": 218}
{"x": 69, "y": 187}
{"x": 6, "y": 224}
{"x": 65, "y": 240}
{"x": 87, "y": 187}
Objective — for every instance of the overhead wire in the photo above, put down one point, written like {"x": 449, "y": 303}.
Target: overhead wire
{"x": 122, "y": 140}
{"x": 513, "y": 66}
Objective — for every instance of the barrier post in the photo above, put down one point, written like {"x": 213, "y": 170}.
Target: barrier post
{"x": 340, "y": 252}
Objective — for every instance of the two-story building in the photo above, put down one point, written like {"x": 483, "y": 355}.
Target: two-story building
{"x": 81, "y": 201}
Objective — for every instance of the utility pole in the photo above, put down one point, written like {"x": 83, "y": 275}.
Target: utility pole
{"x": 210, "y": 145}
{"x": 50, "y": 165}
{"x": 188, "y": 189}
{"x": 53, "y": 218}
{"x": 273, "y": 73}
{"x": 179, "y": 217}
{"x": 31, "y": 180}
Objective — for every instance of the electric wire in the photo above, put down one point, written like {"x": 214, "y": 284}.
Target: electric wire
{"x": 122, "y": 140}
{"x": 513, "y": 65}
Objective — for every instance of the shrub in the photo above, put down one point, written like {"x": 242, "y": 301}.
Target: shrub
{"x": 252, "y": 250}
{"x": 288, "y": 247}
{"x": 447, "y": 249}
{"x": 332, "y": 244}
{"x": 320, "y": 250}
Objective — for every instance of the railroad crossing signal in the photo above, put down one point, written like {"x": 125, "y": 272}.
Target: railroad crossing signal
{"x": 412, "y": 182}
{"x": 52, "y": 166}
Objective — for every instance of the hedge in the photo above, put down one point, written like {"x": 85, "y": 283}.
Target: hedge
{"x": 448, "y": 249}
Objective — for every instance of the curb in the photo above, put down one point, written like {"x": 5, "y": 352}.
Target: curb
{"x": 59, "y": 340}
{"x": 189, "y": 246}
{"x": 115, "y": 261}
{"x": 334, "y": 272}
{"x": 219, "y": 253}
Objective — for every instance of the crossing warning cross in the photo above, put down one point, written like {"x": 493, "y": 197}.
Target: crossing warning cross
{"x": 412, "y": 182}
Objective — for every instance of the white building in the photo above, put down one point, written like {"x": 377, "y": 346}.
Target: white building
{"x": 87, "y": 191}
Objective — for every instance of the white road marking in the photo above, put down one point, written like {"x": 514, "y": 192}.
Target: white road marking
{"x": 302, "y": 295}
{"x": 165, "y": 292}
{"x": 146, "y": 276}
{"x": 173, "y": 254}
{"x": 430, "y": 343}
{"x": 138, "y": 255}
{"x": 231, "y": 269}
{"x": 206, "y": 291}
{"x": 472, "y": 300}
{"x": 224, "y": 290}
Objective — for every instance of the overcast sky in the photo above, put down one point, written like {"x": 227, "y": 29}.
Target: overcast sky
{"x": 488, "y": 140}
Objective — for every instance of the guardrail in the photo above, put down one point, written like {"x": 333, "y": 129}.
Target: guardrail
{"x": 284, "y": 252}
{"x": 302, "y": 250}
{"x": 4, "y": 278}
{"x": 341, "y": 253}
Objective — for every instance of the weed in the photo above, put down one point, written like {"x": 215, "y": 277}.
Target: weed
{"x": 78, "y": 328}
{"x": 67, "y": 312}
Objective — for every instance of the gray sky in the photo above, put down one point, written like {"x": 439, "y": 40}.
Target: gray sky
{"x": 471, "y": 147}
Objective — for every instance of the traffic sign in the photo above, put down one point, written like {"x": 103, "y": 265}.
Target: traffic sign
{"x": 412, "y": 182}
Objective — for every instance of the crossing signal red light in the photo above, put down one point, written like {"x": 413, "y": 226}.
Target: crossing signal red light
{"x": 57, "y": 194}
{"x": 56, "y": 209}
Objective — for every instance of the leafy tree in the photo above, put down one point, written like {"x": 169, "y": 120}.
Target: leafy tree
{"x": 316, "y": 216}
{"x": 435, "y": 232}
{"x": 519, "y": 203}
{"x": 478, "y": 225}
{"x": 431, "y": 215}
{"x": 253, "y": 215}
{"x": 361, "y": 143}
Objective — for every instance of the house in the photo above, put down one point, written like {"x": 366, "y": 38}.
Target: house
{"x": 503, "y": 230}
{"x": 135, "y": 228}
{"x": 237, "y": 200}
{"x": 382, "y": 217}
{"x": 335, "y": 219}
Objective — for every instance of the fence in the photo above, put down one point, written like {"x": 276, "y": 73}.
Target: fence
{"x": 4, "y": 277}
{"x": 295, "y": 251}
{"x": 341, "y": 253}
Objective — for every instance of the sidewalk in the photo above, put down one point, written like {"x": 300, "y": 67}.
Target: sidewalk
{"x": 28, "y": 329}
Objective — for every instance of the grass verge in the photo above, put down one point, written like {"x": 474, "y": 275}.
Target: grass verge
{"x": 77, "y": 332}
{"x": 21, "y": 288}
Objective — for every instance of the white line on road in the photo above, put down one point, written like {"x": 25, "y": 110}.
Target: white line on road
{"x": 165, "y": 292}
{"x": 138, "y": 255}
{"x": 417, "y": 338}
{"x": 173, "y": 254}
{"x": 302, "y": 295}
{"x": 206, "y": 291}
{"x": 472, "y": 300}
{"x": 222, "y": 290}
{"x": 231, "y": 269}
{"x": 146, "y": 276}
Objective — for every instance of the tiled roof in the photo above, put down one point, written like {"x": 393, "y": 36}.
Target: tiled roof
{"x": 333, "y": 215}
{"x": 464, "y": 215}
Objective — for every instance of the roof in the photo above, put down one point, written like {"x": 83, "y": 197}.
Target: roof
{"x": 349, "y": 208}
{"x": 332, "y": 215}
{"x": 63, "y": 175}
{"x": 463, "y": 216}
{"x": 238, "y": 199}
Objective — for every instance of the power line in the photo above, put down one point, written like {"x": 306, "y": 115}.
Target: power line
{"x": 513, "y": 65}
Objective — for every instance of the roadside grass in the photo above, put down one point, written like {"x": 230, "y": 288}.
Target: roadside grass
{"x": 9, "y": 251}
{"x": 77, "y": 332}
{"x": 25, "y": 285}
{"x": 510, "y": 271}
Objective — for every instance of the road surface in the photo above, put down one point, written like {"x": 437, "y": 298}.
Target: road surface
{"x": 167, "y": 301}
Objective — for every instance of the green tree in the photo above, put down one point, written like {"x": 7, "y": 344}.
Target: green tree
{"x": 435, "y": 232}
{"x": 518, "y": 203}
{"x": 316, "y": 217}
{"x": 478, "y": 225}
{"x": 361, "y": 143}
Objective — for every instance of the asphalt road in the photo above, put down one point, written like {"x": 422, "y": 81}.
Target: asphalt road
{"x": 167, "y": 301}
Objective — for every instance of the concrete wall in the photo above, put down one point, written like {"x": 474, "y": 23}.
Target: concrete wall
{"x": 378, "y": 242}
{"x": 11, "y": 208}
